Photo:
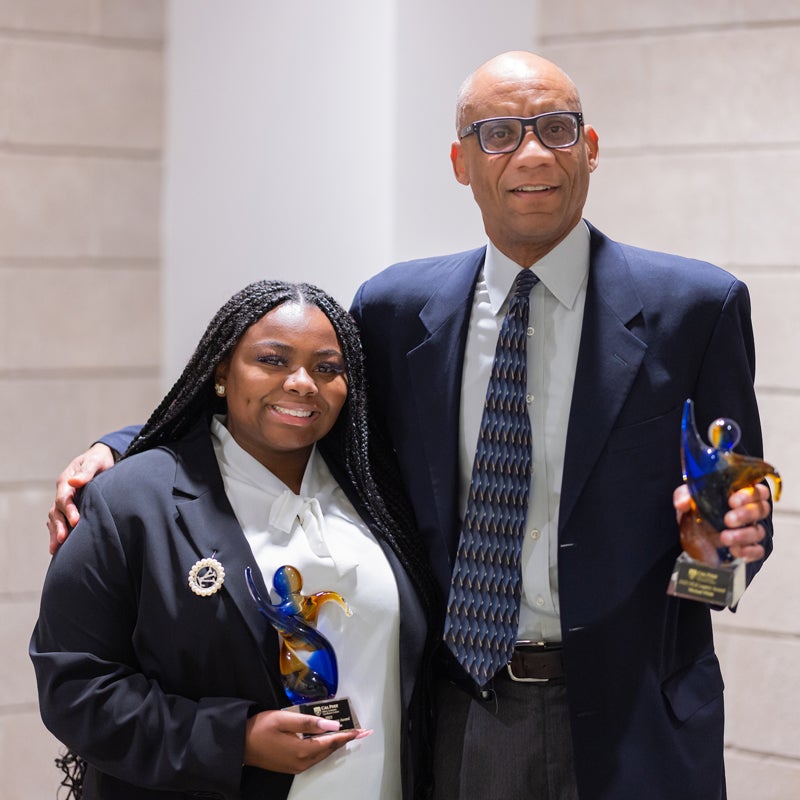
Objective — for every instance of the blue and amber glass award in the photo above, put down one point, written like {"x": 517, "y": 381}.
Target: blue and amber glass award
{"x": 706, "y": 570}
{"x": 307, "y": 661}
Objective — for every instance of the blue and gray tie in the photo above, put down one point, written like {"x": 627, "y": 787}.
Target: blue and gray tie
{"x": 483, "y": 607}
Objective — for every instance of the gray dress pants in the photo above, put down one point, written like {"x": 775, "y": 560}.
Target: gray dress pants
{"x": 515, "y": 745}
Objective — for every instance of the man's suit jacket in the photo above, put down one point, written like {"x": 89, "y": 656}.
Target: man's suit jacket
{"x": 643, "y": 681}
{"x": 149, "y": 682}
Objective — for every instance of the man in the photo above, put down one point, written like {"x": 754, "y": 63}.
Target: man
{"x": 614, "y": 690}
{"x": 620, "y": 339}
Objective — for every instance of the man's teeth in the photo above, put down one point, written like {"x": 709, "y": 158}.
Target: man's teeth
{"x": 293, "y": 412}
{"x": 531, "y": 189}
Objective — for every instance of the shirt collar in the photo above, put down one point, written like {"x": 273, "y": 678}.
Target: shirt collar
{"x": 285, "y": 510}
{"x": 562, "y": 271}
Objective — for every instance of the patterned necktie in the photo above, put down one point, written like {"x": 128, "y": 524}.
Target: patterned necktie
{"x": 483, "y": 608}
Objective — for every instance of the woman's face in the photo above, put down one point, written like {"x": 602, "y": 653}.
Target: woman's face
{"x": 285, "y": 385}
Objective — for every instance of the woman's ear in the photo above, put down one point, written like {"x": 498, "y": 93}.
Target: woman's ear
{"x": 221, "y": 377}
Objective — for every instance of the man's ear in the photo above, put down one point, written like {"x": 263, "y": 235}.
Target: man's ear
{"x": 460, "y": 169}
{"x": 592, "y": 147}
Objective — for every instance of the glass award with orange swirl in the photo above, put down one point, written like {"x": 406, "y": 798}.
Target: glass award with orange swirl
{"x": 706, "y": 570}
{"x": 307, "y": 661}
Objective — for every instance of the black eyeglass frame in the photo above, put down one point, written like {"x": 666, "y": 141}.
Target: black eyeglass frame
{"x": 526, "y": 122}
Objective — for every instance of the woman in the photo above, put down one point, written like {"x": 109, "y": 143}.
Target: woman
{"x": 259, "y": 456}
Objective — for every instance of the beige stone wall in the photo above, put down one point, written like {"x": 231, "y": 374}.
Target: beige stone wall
{"x": 81, "y": 96}
{"x": 696, "y": 107}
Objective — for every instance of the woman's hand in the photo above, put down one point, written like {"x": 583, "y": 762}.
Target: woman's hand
{"x": 273, "y": 740}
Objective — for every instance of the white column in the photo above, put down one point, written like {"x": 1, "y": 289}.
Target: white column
{"x": 310, "y": 141}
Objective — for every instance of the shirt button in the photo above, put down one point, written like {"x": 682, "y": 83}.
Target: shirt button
{"x": 530, "y": 330}
{"x": 539, "y": 600}
{"x": 535, "y": 534}
{"x": 528, "y": 398}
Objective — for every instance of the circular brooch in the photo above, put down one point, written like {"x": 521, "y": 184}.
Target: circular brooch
{"x": 206, "y": 577}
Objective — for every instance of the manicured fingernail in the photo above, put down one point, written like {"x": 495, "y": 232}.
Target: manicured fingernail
{"x": 328, "y": 725}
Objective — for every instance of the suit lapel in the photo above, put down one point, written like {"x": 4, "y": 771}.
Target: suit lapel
{"x": 209, "y": 522}
{"x": 435, "y": 367}
{"x": 608, "y": 361}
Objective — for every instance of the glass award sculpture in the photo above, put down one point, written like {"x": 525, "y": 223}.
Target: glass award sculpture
{"x": 307, "y": 662}
{"x": 706, "y": 570}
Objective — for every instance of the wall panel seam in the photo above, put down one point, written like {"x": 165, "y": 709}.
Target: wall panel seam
{"x": 98, "y": 41}
{"x": 613, "y": 35}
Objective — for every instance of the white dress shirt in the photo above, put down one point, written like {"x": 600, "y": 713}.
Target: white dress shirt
{"x": 556, "y": 319}
{"x": 320, "y": 533}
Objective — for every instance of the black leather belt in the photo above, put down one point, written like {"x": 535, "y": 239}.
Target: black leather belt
{"x": 536, "y": 662}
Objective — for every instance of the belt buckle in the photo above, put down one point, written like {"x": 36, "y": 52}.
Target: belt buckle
{"x": 523, "y": 643}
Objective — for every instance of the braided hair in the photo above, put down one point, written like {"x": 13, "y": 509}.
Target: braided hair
{"x": 354, "y": 448}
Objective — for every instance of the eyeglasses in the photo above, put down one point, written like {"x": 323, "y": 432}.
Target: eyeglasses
{"x": 555, "y": 129}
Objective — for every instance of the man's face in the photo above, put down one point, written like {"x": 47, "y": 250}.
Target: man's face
{"x": 532, "y": 198}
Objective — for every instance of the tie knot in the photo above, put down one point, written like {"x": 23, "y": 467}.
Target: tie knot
{"x": 525, "y": 281}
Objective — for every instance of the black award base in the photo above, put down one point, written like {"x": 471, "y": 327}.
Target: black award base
{"x": 719, "y": 586}
{"x": 336, "y": 708}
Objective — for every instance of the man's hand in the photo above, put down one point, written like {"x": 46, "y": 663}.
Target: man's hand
{"x": 745, "y": 532}
{"x": 63, "y": 514}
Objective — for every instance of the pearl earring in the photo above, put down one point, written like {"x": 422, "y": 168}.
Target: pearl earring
{"x": 219, "y": 389}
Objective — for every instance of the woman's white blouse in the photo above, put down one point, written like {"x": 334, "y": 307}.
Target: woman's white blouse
{"x": 320, "y": 533}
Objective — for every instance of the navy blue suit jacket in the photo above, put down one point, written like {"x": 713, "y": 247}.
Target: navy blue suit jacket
{"x": 149, "y": 682}
{"x": 643, "y": 681}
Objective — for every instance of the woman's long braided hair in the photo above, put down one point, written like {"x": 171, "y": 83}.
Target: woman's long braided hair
{"x": 352, "y": 447}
